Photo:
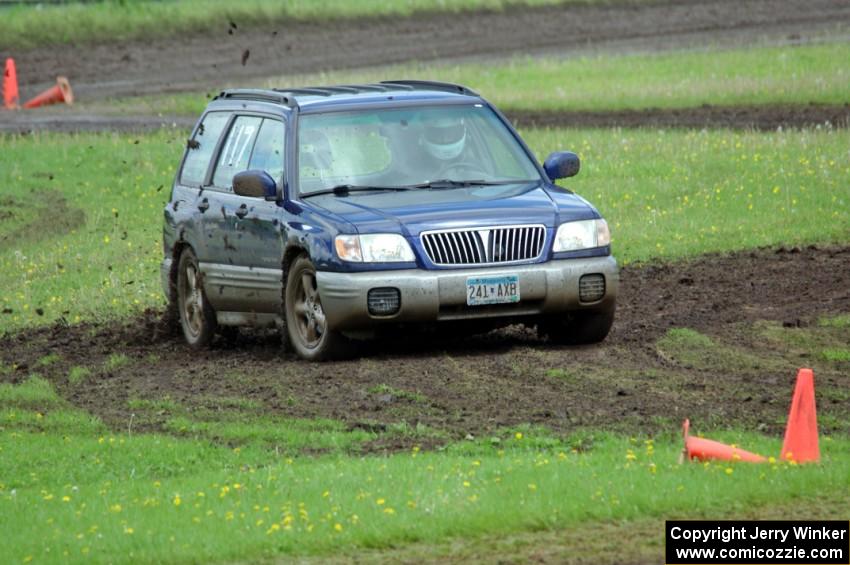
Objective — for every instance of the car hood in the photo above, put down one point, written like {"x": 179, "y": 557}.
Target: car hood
{"x": 412, "y": 212}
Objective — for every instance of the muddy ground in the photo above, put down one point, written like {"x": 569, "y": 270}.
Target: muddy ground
{"x": 767, "y": 118}
{"x": 454, "y": 387}
{"x": 211, "y": 60}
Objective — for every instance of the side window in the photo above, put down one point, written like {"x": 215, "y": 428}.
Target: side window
{"x": 237, "y": 150}
{"x": 268, "y": 150}
{"x": 201, "y": 148}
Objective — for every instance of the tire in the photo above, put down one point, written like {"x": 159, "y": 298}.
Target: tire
{"x": 306, "y": 324}
{"x": 197, "y": 317}
{"x": 578, "y": 328}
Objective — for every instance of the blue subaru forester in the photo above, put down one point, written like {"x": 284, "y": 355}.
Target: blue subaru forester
{"x": 333, "y": 211}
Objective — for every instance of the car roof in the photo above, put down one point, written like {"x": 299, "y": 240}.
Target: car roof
{"x": 319, "y": 97}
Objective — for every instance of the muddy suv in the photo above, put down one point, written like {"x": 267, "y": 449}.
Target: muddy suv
{"x": 334, "y": 211}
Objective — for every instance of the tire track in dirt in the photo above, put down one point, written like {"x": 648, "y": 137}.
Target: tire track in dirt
{"x": 212, "y": 59}
{"x": 476, "y": 385}
{"x": 766, "y": 118}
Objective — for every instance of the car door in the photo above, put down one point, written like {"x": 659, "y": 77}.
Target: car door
{"x": 188, "y": 204}
{"x": 247, "y": 275}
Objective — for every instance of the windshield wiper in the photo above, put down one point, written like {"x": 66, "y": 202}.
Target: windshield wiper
{"x": 344, "y": 189}
{"x": 449, "y": 183}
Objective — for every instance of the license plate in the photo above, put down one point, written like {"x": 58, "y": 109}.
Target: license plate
{"x": 492, "y": 290}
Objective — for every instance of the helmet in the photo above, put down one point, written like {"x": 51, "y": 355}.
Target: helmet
{"x": 444, "y": 138}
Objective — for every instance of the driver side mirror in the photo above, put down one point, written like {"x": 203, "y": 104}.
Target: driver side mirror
{"x": 255, "y": 184}
{"x": 561, "y": 164}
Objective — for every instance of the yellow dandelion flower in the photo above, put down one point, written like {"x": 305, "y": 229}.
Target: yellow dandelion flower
{"x": 177, "y": 500}
{"x": 729, "y": 470}
{"x": 518, "y": 435}
{"x": 380, "y": 502}
{"x": 389, "y": 511}
{"x": 338, "y": 527}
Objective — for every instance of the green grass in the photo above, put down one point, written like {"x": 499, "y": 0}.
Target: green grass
{"x": 827, "y": 340}
{"x": 92, "y": 495}
{"x": 559, "y": 373}
{"x": 115, "y": 361}
{"x": 753, "y": 76}
{"x": 666, "y": 194}
{"x": 47, "y": 360}
{"x": 676, "y": 194}
{"x": 839, "y": 355}
{"x": 34, "y": 392}
{"x": 692, "y": 349}
{"x": 160, "y": 405}
{"x": 78, "y": 374}
{"x": 384, "y": 389}
{"x": 107, "y": 264}
{"x": 842, "y": 321}
{"x": 288, "y": 435}
{"x": 136, "y": 19}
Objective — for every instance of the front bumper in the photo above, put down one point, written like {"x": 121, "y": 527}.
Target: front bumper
{"x": 432, "y": 296}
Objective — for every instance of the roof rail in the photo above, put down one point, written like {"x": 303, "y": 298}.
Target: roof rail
{"x": 431, "y": 84}
{"x": 288, "y": 96}
{"x": 259, "y": 95}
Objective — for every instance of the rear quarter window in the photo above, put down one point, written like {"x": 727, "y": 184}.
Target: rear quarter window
{"x": 201, "y": 148}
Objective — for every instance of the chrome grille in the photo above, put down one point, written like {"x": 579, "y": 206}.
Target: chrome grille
{"x": 503, "y": 244}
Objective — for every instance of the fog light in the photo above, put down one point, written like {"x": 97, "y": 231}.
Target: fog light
{"x": 591, "y": 288}
{"x": 384, "y": 301}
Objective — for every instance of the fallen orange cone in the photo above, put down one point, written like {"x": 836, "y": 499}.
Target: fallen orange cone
{"x": 801, "y": 433}
{"x": 10, "y": 85}
{"x": 706, "y": 449}
{"x": 53, "y": 95}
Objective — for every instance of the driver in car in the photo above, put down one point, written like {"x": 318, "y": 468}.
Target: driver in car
{"x": 444, "y": 140}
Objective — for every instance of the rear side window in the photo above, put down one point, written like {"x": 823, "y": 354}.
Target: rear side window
{"x": 268, "y": 150}
{"x": 236, "y": 151}
{"x": 201, "y": 148}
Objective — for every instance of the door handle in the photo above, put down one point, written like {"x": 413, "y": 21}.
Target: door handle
{"x": 242, "y": 211}
{"x": 203, "y": 205}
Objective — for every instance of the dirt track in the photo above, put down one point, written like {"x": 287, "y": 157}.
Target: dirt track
{"x": 736, "y": 117}
{"x": 504, "y": 378}
{"x": 209, "y": 61}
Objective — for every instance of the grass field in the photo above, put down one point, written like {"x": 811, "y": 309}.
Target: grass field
{"x": 93, "y": 494}
{"x": 679, "y": 79}
{"x": 666, "y": 194}
{"x": 27, "y": 26}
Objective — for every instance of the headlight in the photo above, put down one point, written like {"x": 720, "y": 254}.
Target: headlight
{"x": 373, "y": 248}
{"x": 585, "y": 234}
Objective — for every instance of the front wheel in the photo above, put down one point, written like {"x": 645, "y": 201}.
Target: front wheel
{"x": 197, "y": 317}
{"x": 306, "y": 323}
{"x": 578, "y": 328}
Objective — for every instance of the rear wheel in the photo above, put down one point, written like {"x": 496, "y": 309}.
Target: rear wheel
{"x": 578, "y": 328}
{"x": 197, "y": 317}
{"x": 306, "y": 322}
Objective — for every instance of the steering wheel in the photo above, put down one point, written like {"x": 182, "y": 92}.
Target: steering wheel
{"x": 460, "y": 166}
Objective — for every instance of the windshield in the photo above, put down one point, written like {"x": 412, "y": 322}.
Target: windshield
{"x": 420, "y": 147}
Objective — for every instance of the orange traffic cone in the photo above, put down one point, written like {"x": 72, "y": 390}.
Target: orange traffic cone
{"x": 801, "y": 433}
{"x": 10, "y": 85}
{"x": 707, "y": 449}
{"x": 59, "y": 93}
